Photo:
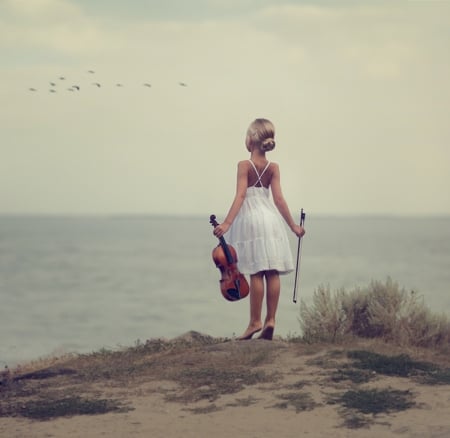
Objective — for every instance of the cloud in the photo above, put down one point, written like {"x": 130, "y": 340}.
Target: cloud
{"x": 36, "y": 9}
{"x": 351, "y": 89}
{"x": 54, "y": 25}
{"x": 379, "y": 41}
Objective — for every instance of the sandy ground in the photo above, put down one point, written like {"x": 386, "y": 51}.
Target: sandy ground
{"x": 164, "y": 406}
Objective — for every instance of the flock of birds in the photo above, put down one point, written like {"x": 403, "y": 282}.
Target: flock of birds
{"x": 74, "y": 88}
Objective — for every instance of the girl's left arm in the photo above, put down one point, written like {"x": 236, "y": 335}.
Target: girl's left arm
{"x": 281, "y": 203}
{"x": 241, "y": 188}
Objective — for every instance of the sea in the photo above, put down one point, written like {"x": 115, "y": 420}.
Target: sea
{"x": 84, "y": 283}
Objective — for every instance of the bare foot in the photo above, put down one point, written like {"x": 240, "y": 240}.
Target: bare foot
{"x": 249, "y": 333}
{"x": 267, "y": 333}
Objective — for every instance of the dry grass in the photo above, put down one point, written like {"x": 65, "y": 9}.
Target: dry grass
{"x": 375, "y": 401}
{"x": 65, "y": 406}
{"x": 381, "y": 310}
{"x": 300, "y": 401}
{"x": 204, "y": 373}
{"x": 203, "y": 368}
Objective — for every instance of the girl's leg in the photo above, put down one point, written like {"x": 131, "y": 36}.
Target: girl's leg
{"x": 256, "y": 300}
{"x": 273, "y": 295}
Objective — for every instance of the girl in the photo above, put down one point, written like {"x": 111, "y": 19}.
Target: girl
{"x": 256, "y": 229}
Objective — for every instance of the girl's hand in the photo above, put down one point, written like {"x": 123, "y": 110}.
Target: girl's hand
{"x": 298, "y": 230}
{"x": 221, "y": 229}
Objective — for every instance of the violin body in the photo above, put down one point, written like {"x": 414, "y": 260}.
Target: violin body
{"x": 233, "y": 284}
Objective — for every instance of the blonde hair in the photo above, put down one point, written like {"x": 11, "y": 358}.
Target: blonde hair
{"x": 262, "y": 134}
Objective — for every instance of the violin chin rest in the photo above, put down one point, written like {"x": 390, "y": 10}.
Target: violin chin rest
{"x": 233, "y": 294}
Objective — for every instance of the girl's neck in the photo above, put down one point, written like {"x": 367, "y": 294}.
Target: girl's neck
{"x": 257, "y": 155}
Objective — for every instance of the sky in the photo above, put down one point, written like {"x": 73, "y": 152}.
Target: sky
{"x": 359, "y": 93}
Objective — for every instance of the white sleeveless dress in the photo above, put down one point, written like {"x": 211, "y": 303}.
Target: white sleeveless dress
{"x": 258, "y": 233}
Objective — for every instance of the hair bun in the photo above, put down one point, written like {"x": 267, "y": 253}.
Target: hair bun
{"x": 268, "y": 144}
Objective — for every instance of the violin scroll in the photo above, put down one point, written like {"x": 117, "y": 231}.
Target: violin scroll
{"x": 212, "y": 220}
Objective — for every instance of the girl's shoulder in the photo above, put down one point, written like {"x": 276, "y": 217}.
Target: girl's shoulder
{"x": 244, "y": 164}
{"x": 273, "y": 167}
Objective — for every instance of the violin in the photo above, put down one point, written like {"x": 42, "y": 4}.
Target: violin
{"x": 233, "y": 284}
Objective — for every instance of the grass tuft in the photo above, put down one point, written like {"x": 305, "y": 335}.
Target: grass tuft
{"x": 300, "y": 401}
{"x": 437, "y": 377}
{"x": 401, "y": 365}
{"x": 244, "y": 402}
{"x": 356, "y": 420}
{"x": 204, "y": 409}
{"x": 381, "y": 310}
{"x": 375, "y": 401}
{"x": 64, "y": 407}
{"x": 211, "y": 383}
{"x": 355, "y": 376}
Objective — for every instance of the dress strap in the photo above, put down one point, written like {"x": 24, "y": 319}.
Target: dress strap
{"x": 258, "y": 181}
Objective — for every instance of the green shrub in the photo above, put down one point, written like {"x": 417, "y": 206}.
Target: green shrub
{"x": 381, "y": 310}
{"x": 326, "y": 320}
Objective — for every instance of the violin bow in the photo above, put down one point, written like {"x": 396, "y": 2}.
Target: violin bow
{"x": 299, "y": 255}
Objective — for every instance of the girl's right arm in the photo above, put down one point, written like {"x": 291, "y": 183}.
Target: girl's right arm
{"x": 241, "y": 188}
{"x": 281, "y": 203}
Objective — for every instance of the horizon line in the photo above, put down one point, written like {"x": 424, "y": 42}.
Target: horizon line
{"x": 124, "y": 215}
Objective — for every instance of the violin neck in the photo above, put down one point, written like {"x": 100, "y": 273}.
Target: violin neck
{"x": 226, "y": 250}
